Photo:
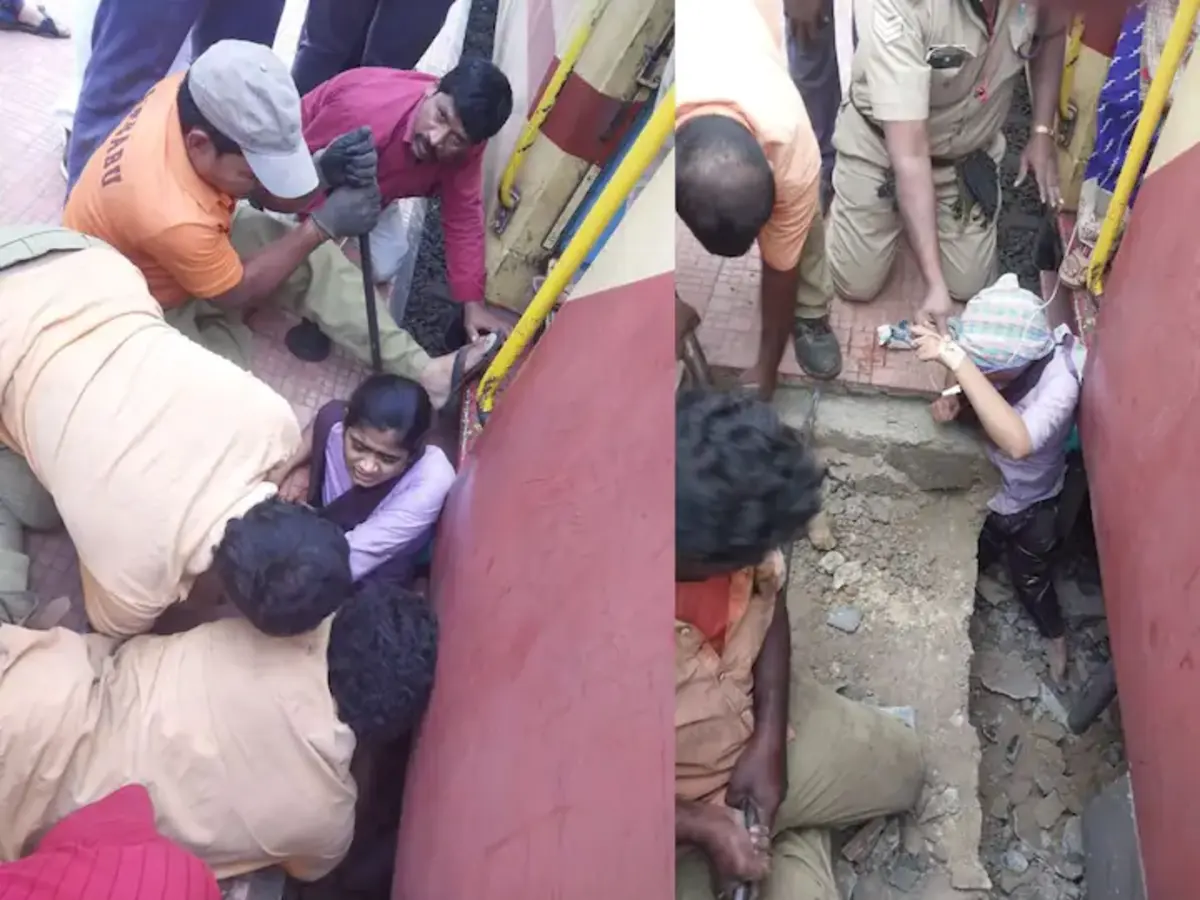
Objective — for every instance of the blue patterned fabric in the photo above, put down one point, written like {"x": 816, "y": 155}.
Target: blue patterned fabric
{"x": 1119, "y": 105}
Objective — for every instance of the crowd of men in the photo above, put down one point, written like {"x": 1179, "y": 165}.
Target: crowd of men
{"x": 770, "y": 154}
{"x": 257, "y": 643}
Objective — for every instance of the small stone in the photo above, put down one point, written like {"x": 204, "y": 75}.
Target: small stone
{"x": 844, "y": 618}
{"x": 847, "y": 574}
{"x": 1025, "y": 824}
{"x": 1049, "y": 810}
{"x": 912, "y": 838}
{"x": 1052, "y": 704}
{"x": 1068, "y": 869}
{"x": 969, "y": 876}
{"x": 1011, "y": 881}
{"x": 1049, "y": 730}
{"x": 831, "y": 562}
{"x": 992, "y": 590}
{"x": 940, "y": 805}
{"x": 999, "y": 808}
{"x": 1019, "y": 790}
{"x": 1015, "y": 861}
{"x": 879, "y": 509}
{"x": 1007, "y": 674}
{"x": 820, "y": 532}
{"x": 1072, "y": 838}
{"x": 872, "y": 887}
{"x": 905, "y": 873}
{"x": 857, "y": 848}
{"x": 885, "y": 848}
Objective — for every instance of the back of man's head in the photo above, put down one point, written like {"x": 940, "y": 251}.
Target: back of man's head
{"x": 482, "y": 97}
{"x": 724, "y": 187}
{"x": 382, "y": 655}
{"x": 745, "y": 483}
{"x": 284, "y": 567}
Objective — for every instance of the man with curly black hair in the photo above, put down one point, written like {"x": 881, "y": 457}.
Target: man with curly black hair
{"x": 767, "y": 761}
{"x": 249, "y": 745}
{"x": 157, "y": 454}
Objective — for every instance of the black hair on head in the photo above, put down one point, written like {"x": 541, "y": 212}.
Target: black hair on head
{"x": 745, "y": 483}
{"x": 391, "y": 403}
{"x": 482, "y": 96}
{"x": 284, "y": 567}
{"x": 382, "y": 656}
{"x": 190, "y": 117}
{"x": 724, "y": 187}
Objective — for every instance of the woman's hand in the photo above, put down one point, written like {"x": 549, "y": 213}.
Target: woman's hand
{"x": 294, "y": 487}
{"x": 930, "y": 346}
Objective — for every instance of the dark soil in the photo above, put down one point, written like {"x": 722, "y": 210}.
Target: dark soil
{"x": 431, "y": 316}
{"x": 1021, "y": 212}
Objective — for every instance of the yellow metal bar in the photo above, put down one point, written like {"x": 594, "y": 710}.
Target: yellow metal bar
{"x": 1139, "y": 144}
{"x": 1071, "y": 59}
{"x": 546, "y": 103}
{"x": 640, "y": 155}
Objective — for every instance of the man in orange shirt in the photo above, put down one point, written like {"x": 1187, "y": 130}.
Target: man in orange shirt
{"x": 753, "y": 732}
{"x": 748, "y": 168}
{"x": 163, "y": 190}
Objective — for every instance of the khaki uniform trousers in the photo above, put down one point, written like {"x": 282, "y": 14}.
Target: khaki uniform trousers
{"x": 327, "y": 288}
{"x": 847, "y": 763}
{"x": 815, "y": 291}
{"x": 864, "y": 234}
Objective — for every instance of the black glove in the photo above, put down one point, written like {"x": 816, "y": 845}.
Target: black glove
{"x": 350, "y": 161}
{"x": 350, "y": 212}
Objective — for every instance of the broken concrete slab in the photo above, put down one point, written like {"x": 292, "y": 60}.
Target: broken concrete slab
{"x": 844, "y": 618}
{"x": 1007, "y": 674}
{"x": 900, "y": 431}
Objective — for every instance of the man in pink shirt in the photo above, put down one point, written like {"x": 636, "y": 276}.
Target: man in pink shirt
{"x": 430, "y": 135}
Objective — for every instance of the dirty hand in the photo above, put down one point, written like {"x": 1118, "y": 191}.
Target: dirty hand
{"x": 945, "y": 409}
{"x": 760, "y": 779}
{"x": 737, "y": 853}
{"x": 1041, "y": 158}
{"x": 294, "y": 488}
{"x": 932, "y": 346}
{"x": 350, "y": 161}
{"x": 806, "y": 18}
{"x": 349, "y": 212}
{"x": 936, "y": 308}
{"x": 480, "y": 318}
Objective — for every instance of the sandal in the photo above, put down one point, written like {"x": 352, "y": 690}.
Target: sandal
{"x": 461, "y": 373}
{"x": 46, "y": 28}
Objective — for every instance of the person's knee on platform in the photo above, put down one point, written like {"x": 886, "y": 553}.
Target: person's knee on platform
{"x": 284, "y": 567}
{"x": 724, "y": 186}
{"x": 382, "y": 656}
{"x": 745, "y": 483}
{"x": 862, "y": 284}
{"x": 963, "y": 285}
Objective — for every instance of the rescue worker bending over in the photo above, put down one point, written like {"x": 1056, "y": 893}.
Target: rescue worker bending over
{"x": 752, "y": 729}
{"x": 919, "y": 142}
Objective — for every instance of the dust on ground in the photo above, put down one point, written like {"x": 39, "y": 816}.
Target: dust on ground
{"x": 890, "y": 618}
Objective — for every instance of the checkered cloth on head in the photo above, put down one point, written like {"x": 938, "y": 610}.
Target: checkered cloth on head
{"x": 1004, "y": 327}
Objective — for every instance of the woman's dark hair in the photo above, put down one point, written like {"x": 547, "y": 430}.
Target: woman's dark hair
{"x": 391, "y": 403}
{"x": 745, "y": 483}
{"x": 284, "y": 567}
{"x": 482, "y": 97}
{"x": 382, "y": 655}
{"x": 724, "y": 187}
{"x": 190, "y": 117}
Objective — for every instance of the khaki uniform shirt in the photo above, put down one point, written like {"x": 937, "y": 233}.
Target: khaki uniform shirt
{"x": 235, "y": 735}
{"x": 148, "y": 443}
{"x": 730, "y": 60}
{"x": 714, "y": 692}
{"x": 891, "y": 80}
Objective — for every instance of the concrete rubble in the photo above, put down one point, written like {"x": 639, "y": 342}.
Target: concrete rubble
{"x": 892, "y": 617}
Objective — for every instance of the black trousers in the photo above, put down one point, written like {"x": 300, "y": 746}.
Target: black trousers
{"x": 340, "y": 36}
{"x": 1025, "y": 542}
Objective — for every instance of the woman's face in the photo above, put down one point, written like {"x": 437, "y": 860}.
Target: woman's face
{"x": 373, "y": 456}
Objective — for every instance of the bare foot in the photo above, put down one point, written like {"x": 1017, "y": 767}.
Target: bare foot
{"x": 1056, "y": 656}
{"x": 438, "y": 375}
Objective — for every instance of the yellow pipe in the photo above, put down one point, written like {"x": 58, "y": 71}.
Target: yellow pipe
{"x": 640, "y": 155}
{"x": 546, "y": 103}
{"x": 1139, "y": 144}
{"x": 1074, "y": 44}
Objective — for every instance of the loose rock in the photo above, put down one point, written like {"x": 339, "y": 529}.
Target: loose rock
{"x": 1072, "y": 838}
{"x": 847, "y": 574}
{"x": 945, "y": 803}
{"x": 1025, "y": 823}
{"x": 1015, "y": 861}
{"x": 885, "y": 848}
{"x": 820, "y": 533}
{"x": 844, "y": 618}
{"x": 999, "y": 808}
{"x": 1049, "y": 810}
{"x": 845, "y": 878}
{"x": 831, "y": 562}
{"x": 1007, "y": 674}
{"x": 859, "y": 846}
{"x": 905, "y": 873}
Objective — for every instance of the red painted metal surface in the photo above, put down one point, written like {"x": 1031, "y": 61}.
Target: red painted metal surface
{"x": 1140, "y": 424}
{"x": 544, "y": 768}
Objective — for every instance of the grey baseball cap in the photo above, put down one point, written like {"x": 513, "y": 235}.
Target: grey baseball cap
{"x": 247, "y": 93}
